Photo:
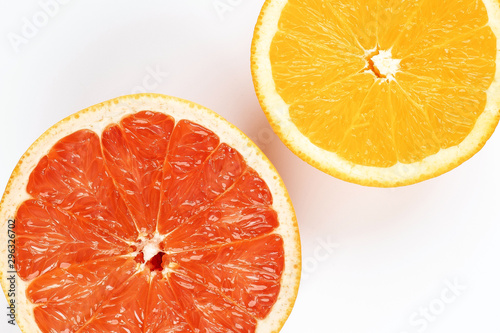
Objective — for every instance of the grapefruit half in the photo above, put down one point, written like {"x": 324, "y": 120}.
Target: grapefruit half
{"x": 148, "y": 213}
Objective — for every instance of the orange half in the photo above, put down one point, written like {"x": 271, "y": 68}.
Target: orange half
{"x": 379, "y": 92}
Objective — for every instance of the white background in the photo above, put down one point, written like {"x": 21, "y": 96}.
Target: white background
{"x": 373, "y": 258}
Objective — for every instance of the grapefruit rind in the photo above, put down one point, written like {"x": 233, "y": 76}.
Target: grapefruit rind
{"x": 277, "y": 112}
{"x": 97, "y": 118}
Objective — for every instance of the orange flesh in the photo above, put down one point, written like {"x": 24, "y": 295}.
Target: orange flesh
{"x": 322, "y": 64}
{"x": 96, "y": 202}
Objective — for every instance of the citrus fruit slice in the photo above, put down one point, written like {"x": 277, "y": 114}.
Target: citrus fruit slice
{"x": 148, "y": 213}
{"x": 379, "y": 92}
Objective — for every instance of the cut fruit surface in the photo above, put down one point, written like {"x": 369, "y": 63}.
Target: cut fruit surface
{"x": 148, "y": 213}
{"x": 381, "y": 92}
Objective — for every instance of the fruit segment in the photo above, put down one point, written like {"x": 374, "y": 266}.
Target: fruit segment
{"x": 243, "y": 212}
{"x": 440, "y": 100}
{"x": 49, "y": 238}
{"x": 462, "y": 61}
{"x": 194, "y": 192}
{"x": 331, "y": 34}
{"x": 296, "y": 78}
{"x": 67, "y": 299}
{"x": 73, "y": 177}
{"x": 125, "y": 310}
{"x": 250, "y": 278}
{"x": 208, "y": 311}
{"x": 164, "y": 313}
{"x": 432, "y": 24}
{"x": 331, "y": 110}
{"x": 369, "y": 139}
{"x": 394, "y": 18}
{"x": 135, "y": 152}
{"x": 190, "y": 146}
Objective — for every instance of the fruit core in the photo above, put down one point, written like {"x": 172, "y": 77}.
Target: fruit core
{"x": 155, "y": 263}
{"x": 149, "y": 252}
{"x": 382, "y": 64}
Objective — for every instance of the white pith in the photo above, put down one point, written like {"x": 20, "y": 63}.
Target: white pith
{"x": 386, "y": 65}
{"x": 97, "y": 118}
{"x": 277, "y": 111}
{"x": 151, "y": 247}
